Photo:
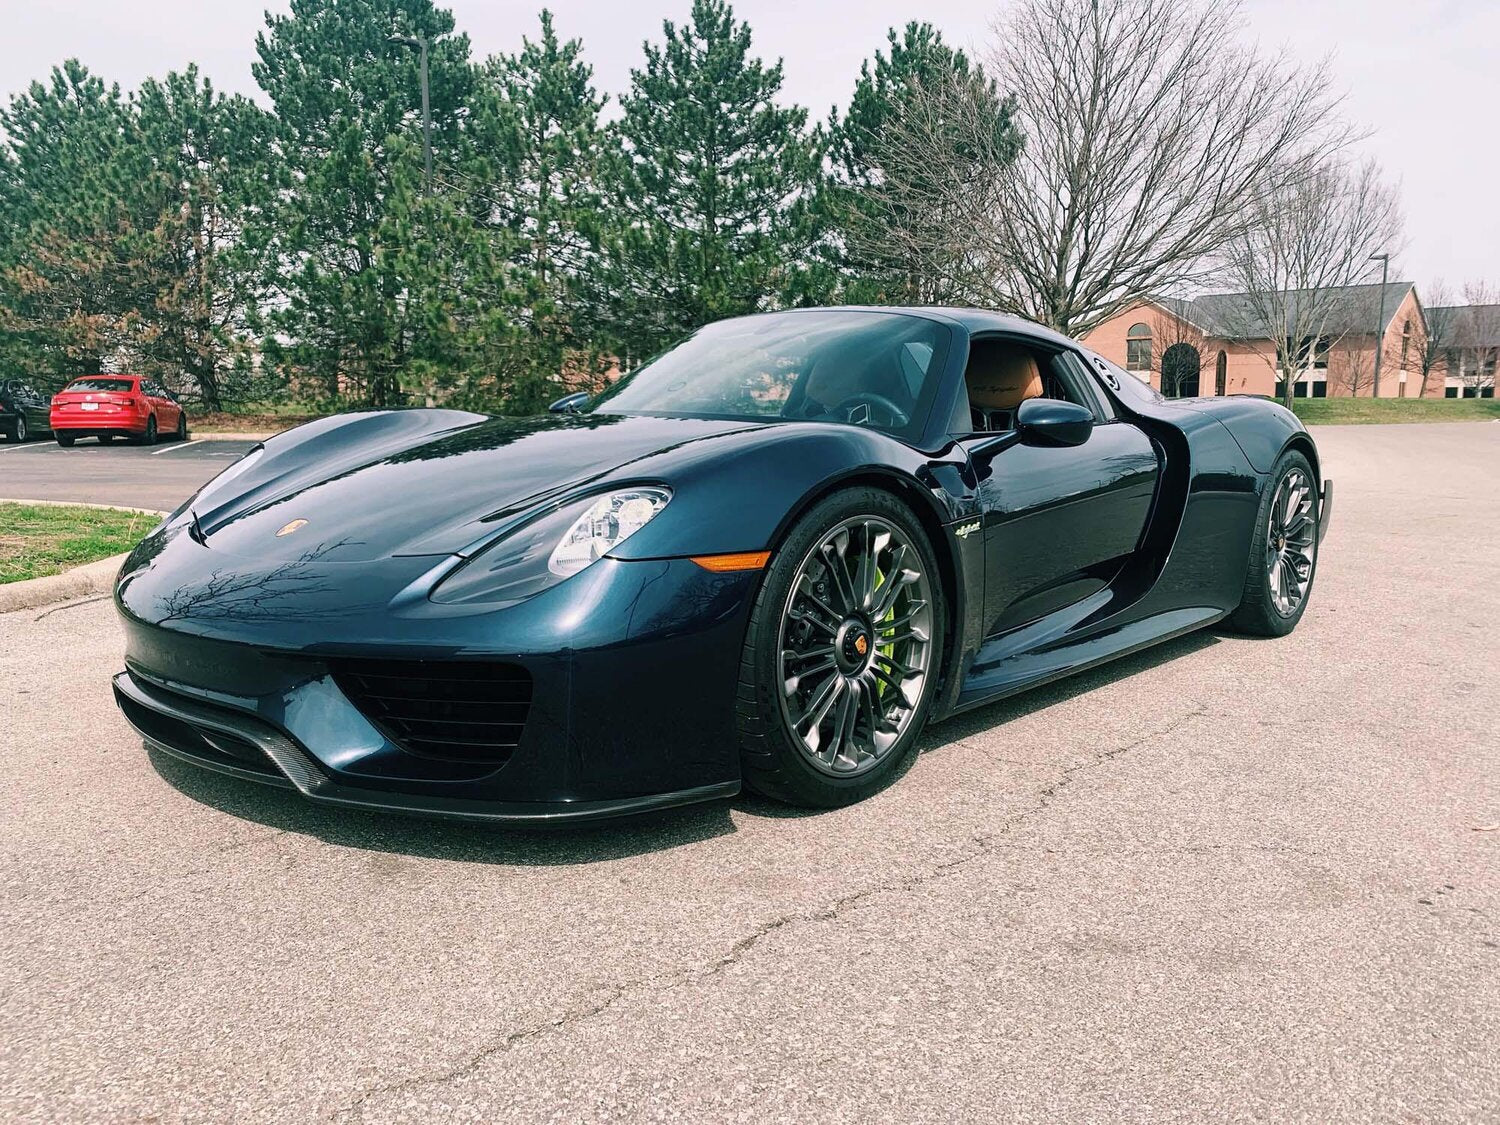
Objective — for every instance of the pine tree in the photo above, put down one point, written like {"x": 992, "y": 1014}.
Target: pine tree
{"x": 882, "y": 199}
{"x": 550, "y": 145}
{"x": 209, "y": 186}
{"x": 77, "y": 227}
{"x": 358, "y": 270}
{"x": 711, "y": 186}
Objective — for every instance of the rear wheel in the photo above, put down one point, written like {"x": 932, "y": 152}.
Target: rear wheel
{"x": 20, "y": 433}
{"x": 842, "y": 654}
{"x": 1283, "y": 551}
{"x": 150, "y": 435}
{"x": 65, "y": 440}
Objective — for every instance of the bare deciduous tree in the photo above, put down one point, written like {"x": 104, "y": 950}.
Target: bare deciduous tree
{"x": 1307, "y": 242}
{"x": 1151, "y": 131}
{"x": 1476, "y": 338}
{"x": 1441, "y": 315}
{"x": 936, "y": 163}
{"x": 1355, "y": 365}
{"x": 1179, "y": 346}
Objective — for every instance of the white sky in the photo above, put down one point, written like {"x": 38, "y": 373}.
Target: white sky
{"x": 1422, "y": 74}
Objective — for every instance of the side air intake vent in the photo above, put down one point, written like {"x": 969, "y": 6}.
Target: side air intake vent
{"x": 464, "y": 711}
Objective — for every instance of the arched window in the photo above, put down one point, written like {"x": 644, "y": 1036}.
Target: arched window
{"x": 1405, "y": 343}
{"x": 1221, "y": 374}
{"x": 1138, "y": 348}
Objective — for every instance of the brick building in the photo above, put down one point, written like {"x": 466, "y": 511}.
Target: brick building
{"x": 1470, "y": 349}
{"x": 1215, "y": 345}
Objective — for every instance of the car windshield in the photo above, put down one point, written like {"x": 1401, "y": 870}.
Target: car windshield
{"x": 838, "y": 365}
{"x": 100, "y": 385}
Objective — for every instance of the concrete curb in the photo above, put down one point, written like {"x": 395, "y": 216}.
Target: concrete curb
{"x": 81, "y": 582}
{"x": 81, "y": 504}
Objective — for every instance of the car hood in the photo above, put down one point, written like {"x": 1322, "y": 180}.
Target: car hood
{"x": 384, "y": 493}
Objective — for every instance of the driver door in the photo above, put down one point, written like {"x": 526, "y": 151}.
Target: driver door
{"x": 1059, "y": 520}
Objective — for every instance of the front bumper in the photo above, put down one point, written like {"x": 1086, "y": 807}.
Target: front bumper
{"x": 633, "y": 670}
{"x": 241, "y": 746}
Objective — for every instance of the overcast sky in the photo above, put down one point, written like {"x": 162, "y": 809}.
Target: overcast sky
{"x": 1421, "y": 75}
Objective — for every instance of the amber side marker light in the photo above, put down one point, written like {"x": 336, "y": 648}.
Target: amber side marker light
{"x": 724, "y": 564}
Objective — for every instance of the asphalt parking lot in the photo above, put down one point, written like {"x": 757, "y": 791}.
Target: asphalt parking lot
{"x": 139, "y": 476}
{"x": 1229, "y": 879}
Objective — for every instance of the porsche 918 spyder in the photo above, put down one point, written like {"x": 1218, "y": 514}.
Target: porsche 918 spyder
{"x": 767, "y": 557}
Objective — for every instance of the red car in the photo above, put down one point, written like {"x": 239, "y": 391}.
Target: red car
{"x": 110, "y": 406}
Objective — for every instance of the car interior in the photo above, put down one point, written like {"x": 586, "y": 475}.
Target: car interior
{"x": 1001, "y": 374}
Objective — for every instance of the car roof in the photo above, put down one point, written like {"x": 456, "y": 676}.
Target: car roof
{"x": 970, "y": 319}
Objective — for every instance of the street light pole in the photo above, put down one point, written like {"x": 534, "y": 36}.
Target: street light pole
{"x": 419, "y": 44}
{"x": 1385, "y": 267}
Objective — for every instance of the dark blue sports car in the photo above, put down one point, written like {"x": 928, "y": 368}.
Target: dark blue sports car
{"x": 766, "y": 558}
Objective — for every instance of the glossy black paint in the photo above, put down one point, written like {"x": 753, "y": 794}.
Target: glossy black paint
{"x": 1067, "y": 542}
{"x": 19, "y": 400}
{"x": 1046, "y": 421}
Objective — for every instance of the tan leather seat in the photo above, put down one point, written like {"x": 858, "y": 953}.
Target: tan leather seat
{"x": 1001, "y": 377}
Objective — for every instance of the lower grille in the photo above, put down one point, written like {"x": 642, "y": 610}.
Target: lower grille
{"x": 465, "y": 711}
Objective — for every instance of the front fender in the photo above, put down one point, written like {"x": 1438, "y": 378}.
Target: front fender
{"x": 1261, "y": 428}
{"x": 740, "y": 494}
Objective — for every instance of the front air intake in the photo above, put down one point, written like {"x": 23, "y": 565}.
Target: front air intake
{"x": 459, "y": 710}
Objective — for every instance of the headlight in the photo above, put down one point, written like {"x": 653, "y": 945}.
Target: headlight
{"x": 610, "y": 521}
{"x": 547, "y": 550}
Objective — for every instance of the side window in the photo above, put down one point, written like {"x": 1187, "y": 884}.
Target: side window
{"x": 1000, "y": 375}
{"x": 1076, "y": 370}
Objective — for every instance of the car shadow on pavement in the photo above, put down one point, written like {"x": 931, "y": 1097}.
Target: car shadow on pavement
{"x": 619, "y": 839}
{"x": 437, "y": 839}
{"x": 992, "y": 716}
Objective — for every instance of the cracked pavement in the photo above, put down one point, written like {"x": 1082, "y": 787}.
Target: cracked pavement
{"x": 1225, "y": 879}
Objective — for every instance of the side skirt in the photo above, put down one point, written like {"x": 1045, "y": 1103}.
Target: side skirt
{"x": 998, "y": 671}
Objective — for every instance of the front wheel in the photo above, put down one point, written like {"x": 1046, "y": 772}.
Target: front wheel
{"x": 21, "y": 432}
{"x": 842, "y": 654}
{"x": 1283, "y": 551}
{"x": 182, "y": 426}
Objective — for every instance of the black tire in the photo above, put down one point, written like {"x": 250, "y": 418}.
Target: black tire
{"x": 182, "y": 433}
{"x": 774, "y": 761}
{"x": 1263, "y": 611}
{"x": 150, "y": 435}
{"x": 20, "y": 433}
{"x": 65, "y": 440}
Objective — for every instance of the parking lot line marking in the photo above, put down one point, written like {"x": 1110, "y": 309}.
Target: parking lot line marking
{"x": 12, "y": 447}
{"x": 175, "y": 448}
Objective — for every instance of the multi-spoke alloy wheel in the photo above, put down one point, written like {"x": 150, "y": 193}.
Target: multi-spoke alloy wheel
{"x": 1283, "y": 550}
{"x": 1291, "y": 541}
{"x": 855, "y": 645}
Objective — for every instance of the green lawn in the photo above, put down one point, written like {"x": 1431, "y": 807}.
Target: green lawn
{"x": 1369, "y": 411}
{"x": 36, "y": 541}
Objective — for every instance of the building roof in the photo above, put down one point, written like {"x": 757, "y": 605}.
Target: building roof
{"x": 1482, "y": 321}
{"x": 1233, "y": 314}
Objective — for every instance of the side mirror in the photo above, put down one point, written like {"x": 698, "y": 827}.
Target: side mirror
{"x": 570, "y": 404}
{"x": 1050, "y": 421}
